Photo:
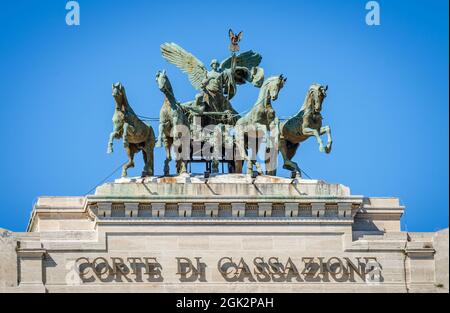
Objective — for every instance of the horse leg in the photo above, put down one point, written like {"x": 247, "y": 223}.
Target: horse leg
{"x": 151, "y": 161}
{"x": 113, "y": 135}
{"x": 181, "y": 167}
{"x": 147, "y": 153}
{"x": 130, "y": 152}
{"x": 292, "y": 149}
{"x": 144, "y": 157}
{"x": 180, "y": 163}
{"x": 240, "y": 152}
{"x": 272, "y": 148}
{"x": 245, "y": 155}
{"x": 168, "y": 141}
{"x": 125, "y": 134}
{"x": 160, "y": 135}
{"x": 287, "y": 152}
{"x": 271, "y": 161}
{"x": 151, "y": 153}
{"x": 215, "y": 166}
{"x": 236, "y": 166}
{"x": 257, "y": 164}
{"x": 166, "y": 167}
{"x": 232, "y": 167}
{"x": 315, "y": 133}
{"x": 327, "y": 130}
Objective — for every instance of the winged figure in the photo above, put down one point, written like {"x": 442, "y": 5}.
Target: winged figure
{"x": 185, "y": 61}
{"x": 196, "y": 70}
{"x": 235, "y": 39}
{"x": 218, "y": 85}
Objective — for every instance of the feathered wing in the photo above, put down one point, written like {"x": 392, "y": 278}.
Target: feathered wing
{"x": 246, "y": 59}
{"x": 185, "y": 61}
{"x": 239, "y": 36}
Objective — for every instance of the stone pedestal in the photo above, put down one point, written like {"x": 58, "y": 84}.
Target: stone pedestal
{"x": 180, "y": 234}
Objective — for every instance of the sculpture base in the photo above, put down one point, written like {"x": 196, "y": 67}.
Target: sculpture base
{"x": 226, "y": 233}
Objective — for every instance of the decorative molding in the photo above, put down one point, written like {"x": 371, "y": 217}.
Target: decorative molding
{"x": 158, "y": 210}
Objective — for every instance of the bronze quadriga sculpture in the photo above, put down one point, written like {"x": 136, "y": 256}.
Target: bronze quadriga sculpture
{"x": 211, "y": 110}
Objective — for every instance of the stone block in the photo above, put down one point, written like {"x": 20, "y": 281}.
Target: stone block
{"x": 158, "y": 209}
{"x": 185, "y": 209}
{"x": 131, "y": 209}
{"x": 238, "y": 209}
{"x": 265, "y": 209}
{"x": 211, "y": 209}
{"x": 318, "y": 209}
{"x": 291, "y": 209}
{"x": 104, "y": 209}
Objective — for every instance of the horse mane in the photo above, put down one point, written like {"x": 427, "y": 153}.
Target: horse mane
{"x": 125, "y": 99}
{"x": 268, "y": 80}
{"x": 263, "y": 88}
{"x": 307, "y": 102}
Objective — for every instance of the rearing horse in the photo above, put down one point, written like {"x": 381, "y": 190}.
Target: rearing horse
{"x": 135, "y": 133}
{"x": 258, "y": 121}
{"x": 306, "y": 123}
{"x": 171, "y": 117}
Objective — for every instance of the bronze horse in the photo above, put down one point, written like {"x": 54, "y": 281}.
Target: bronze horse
{"x": 137, "y": 136}
{"x": 256, "y": 123}
{"x": 306, "y": 123}
{"x": 171, "y": 117}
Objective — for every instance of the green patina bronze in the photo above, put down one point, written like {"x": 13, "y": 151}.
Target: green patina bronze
{"x": 212, "y": 107}
{"x": 305, "y": 124}
{"x": 258, "y": 121}
{"x": 212, "y": 104}
{"x": 171, "y": 116}
{"x": 137, "y": 136}
{"x": 217, "y": 86}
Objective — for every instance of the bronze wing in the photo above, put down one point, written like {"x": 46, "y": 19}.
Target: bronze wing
{"x": 246, "y": 59}
{"x": 185, "y": 61}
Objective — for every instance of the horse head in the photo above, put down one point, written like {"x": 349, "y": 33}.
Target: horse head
{"x": 163, "y": 81}
{"x": 274, "y": 85}
{"x": 118, "y": 92}
{"x": 317, "y": 93}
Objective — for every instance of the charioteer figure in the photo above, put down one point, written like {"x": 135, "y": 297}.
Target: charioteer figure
{"x": 217, "y": 86}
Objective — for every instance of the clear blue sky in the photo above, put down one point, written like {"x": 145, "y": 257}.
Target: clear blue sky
{"x": 387, "y": 103}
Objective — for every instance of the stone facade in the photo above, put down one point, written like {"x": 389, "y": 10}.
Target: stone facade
{"x": 228, "y": 233}
{"x": 8, "y": 260}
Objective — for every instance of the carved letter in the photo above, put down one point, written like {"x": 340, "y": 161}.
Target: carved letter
{"x": 261, "y": 273}
{"x": 185, "y": 266}
{"x": 224, "y": 265}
